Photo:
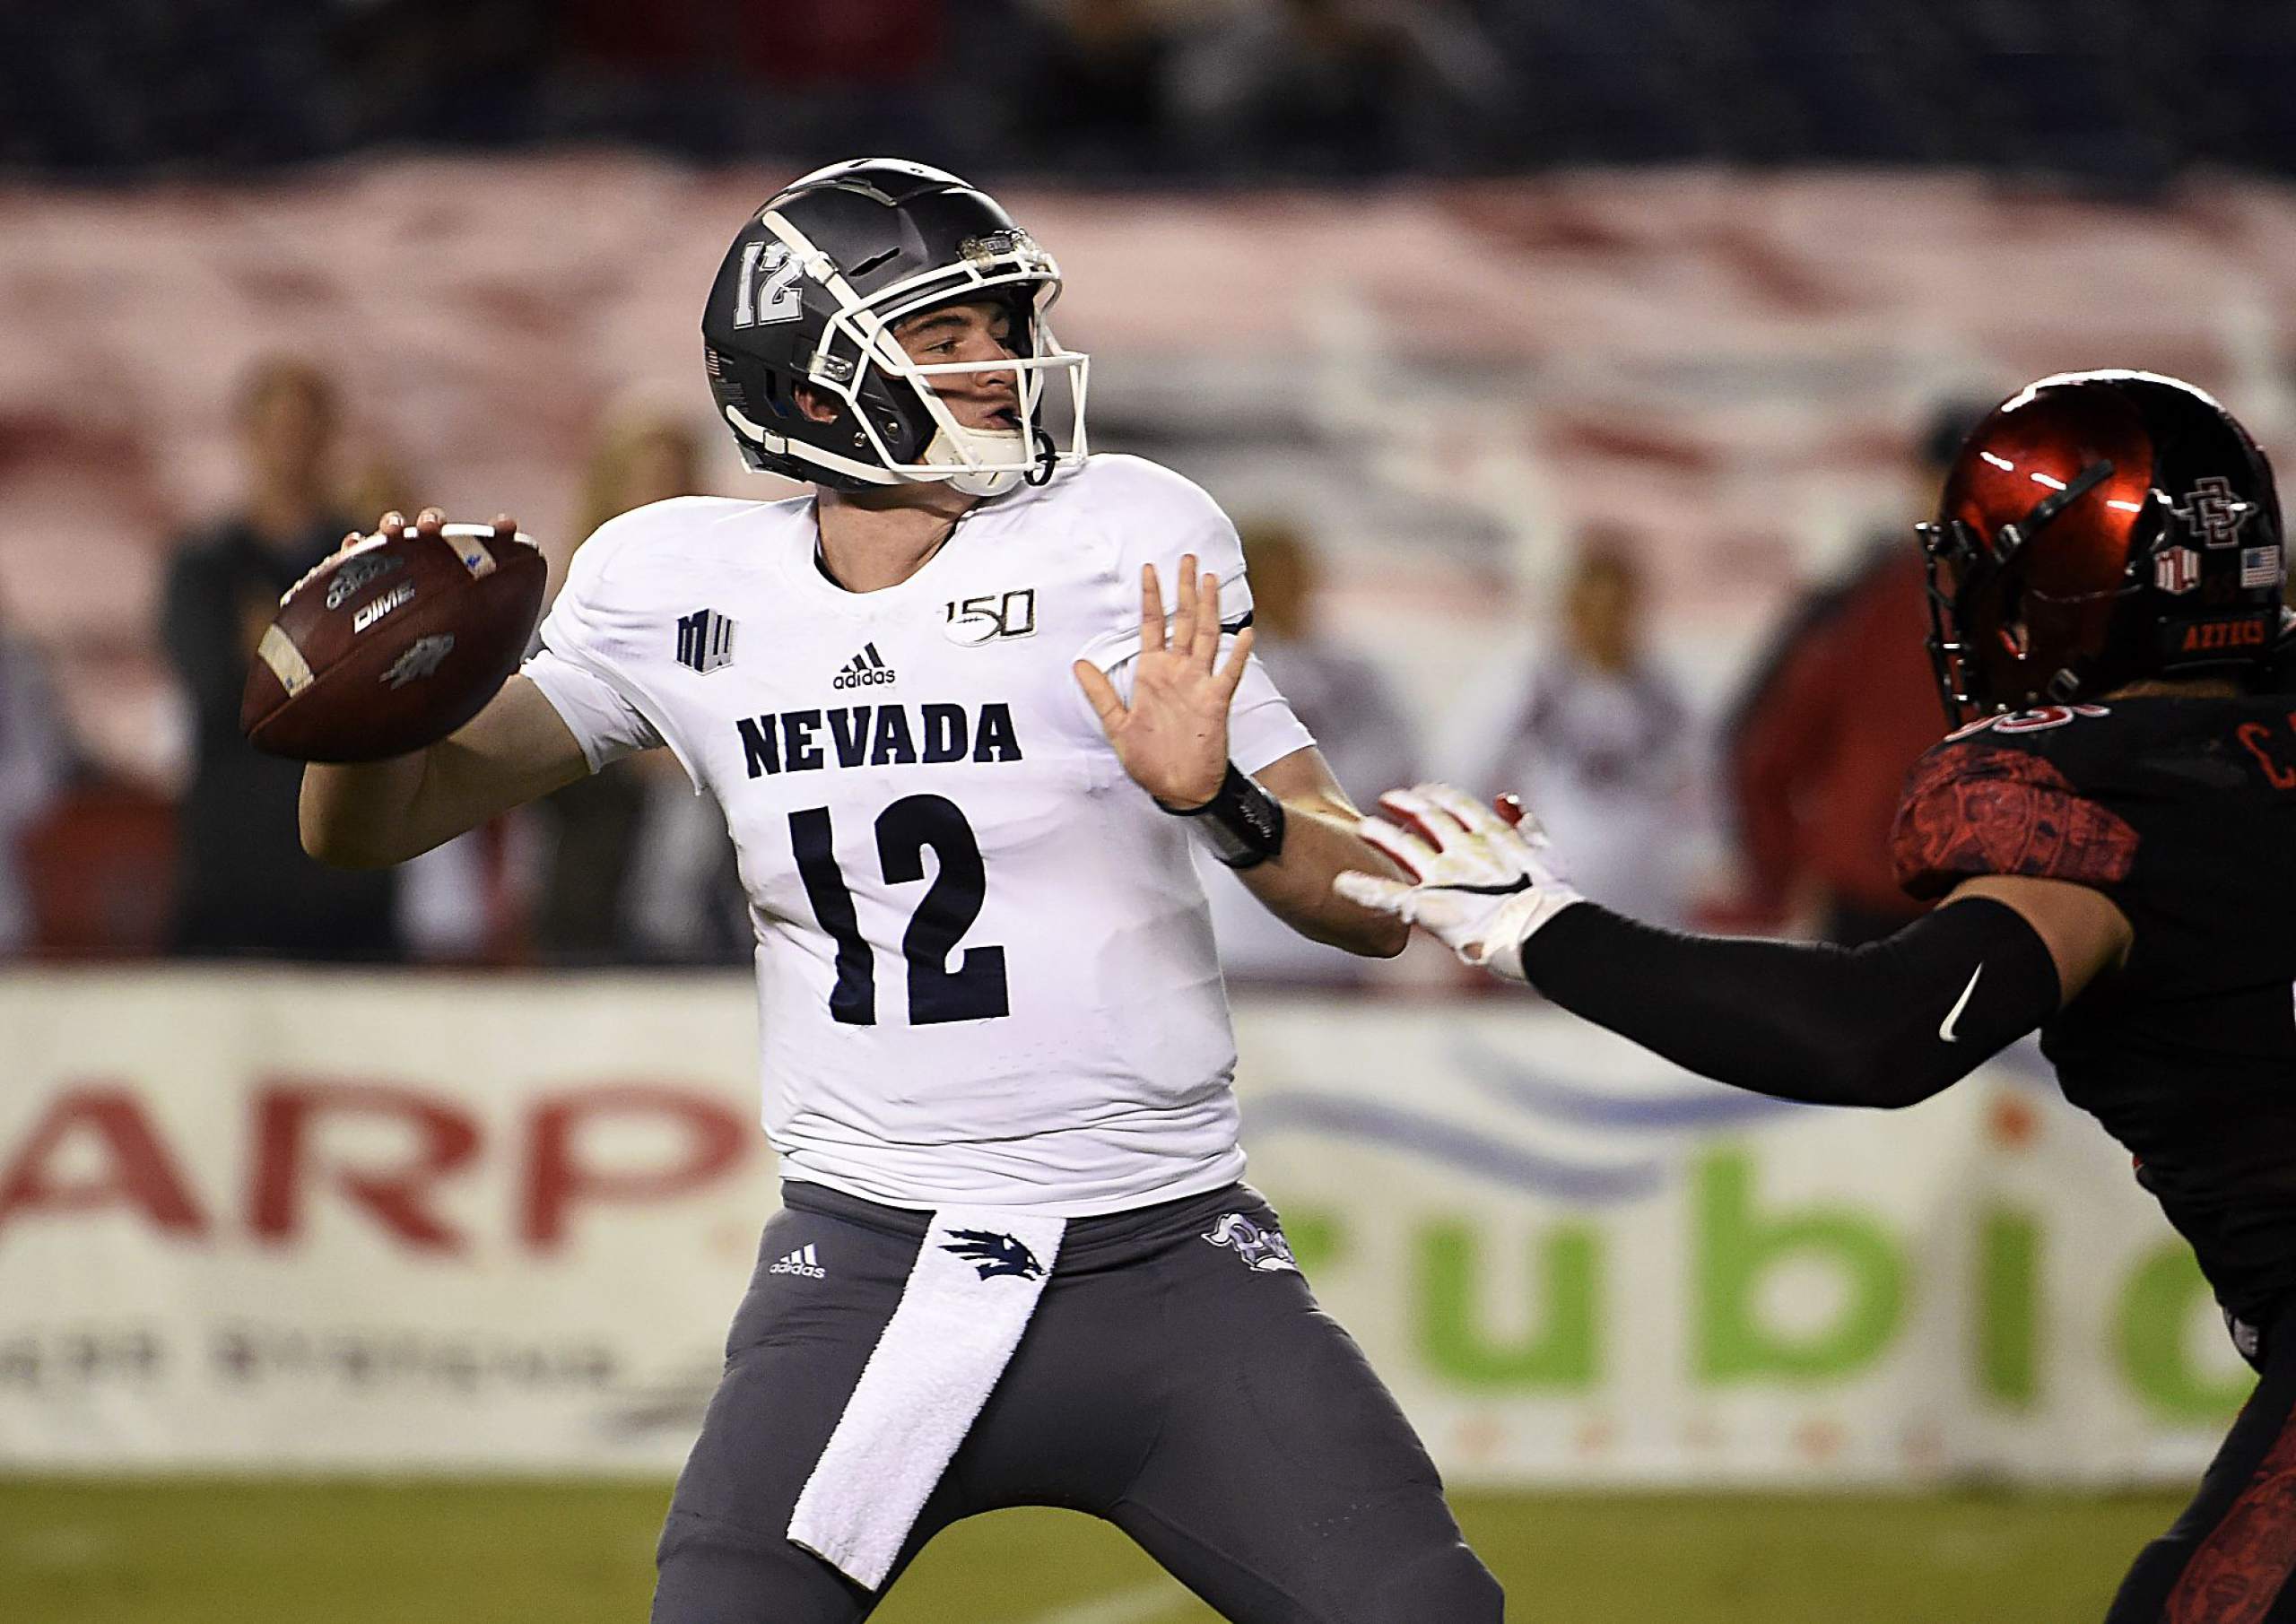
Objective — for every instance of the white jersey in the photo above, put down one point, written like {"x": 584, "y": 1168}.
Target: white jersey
{"x": 986, "y": 969}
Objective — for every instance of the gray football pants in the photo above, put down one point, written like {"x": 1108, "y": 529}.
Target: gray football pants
{"x": 1208, "y": 1407}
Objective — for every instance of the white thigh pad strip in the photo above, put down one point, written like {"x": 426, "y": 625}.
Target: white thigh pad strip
{"x": 979, "y": 1274}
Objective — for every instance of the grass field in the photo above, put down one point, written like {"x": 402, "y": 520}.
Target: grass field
{"x": 229, "y": 1553}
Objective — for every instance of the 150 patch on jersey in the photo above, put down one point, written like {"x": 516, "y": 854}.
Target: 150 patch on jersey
{"x": 992, "y": 615}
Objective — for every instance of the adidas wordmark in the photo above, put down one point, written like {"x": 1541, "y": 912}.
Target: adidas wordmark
{"x": 866, "y": 669}
{"x": 803, "y": 1261}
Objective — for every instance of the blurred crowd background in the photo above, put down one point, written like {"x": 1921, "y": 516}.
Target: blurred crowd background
{"x": 1593, "y": 481}
{"x": 2116, "y": 92}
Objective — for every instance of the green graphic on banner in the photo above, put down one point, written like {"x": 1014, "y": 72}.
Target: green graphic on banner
{"x": 1737, "y": 1245}
{"x": 2150, "y": 1345}
{"x": 2009, "y": 1308}
{"x": 1560, "y": 1351}
{"x": 1316, "y": 1239}
{"x": 1493, "y": 1308}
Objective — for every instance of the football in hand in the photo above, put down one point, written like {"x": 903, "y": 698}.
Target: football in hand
{"x": 392, "y": 643}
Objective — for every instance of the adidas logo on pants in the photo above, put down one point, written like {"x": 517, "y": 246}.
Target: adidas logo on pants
{"x": 803, "y": 1261}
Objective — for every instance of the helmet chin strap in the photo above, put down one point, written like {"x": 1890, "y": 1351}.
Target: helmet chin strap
{"x": 963, "y": 447}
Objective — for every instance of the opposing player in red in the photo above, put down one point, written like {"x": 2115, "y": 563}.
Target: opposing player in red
{"x": 2112, "y": 829}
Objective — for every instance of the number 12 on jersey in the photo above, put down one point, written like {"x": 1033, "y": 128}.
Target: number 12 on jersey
{"x": 973, "y": 991}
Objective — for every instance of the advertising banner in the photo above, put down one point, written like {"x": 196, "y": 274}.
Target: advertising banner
{"x": 308, "y": 1221}
{"x": 1574, "y": 1261}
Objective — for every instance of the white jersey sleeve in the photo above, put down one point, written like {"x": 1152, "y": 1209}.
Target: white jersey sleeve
{"x": 606, "y": 726}
{"x": 1167, "y": 517}
{"x": 589, "y": 647}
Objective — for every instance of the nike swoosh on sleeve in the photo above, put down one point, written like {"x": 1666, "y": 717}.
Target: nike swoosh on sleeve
{"x": 1945, "y": 1032}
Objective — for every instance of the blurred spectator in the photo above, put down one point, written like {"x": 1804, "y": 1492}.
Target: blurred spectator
{"x": 893, "y": 43}
{"x": 805, "y": 80}
{"x": 684, "y": 899}
{"x": 1100, "y": 85}
{"x": 1260, "y": 85}
{"x": 467, "y": 72}
{"x": 1344, "y": 701}
{"x": 1346, "y": 86}
{"x": 35, "y": 761}
{"x": 243, "y": 883}
{"x": 457, "y": 903}
{"x": 1838, "y": 709}
{"x": 377, "y": 482}
{"x": 1600, "y": 744}
{"x": 634, "y": 864}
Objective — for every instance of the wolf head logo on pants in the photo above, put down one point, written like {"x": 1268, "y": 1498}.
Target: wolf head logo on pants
{"x": 993, "y": 1254}
{"x": 1266, "y": 1250}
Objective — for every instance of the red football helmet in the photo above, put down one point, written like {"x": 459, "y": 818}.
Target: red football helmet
{"x": 2096, "y": 528}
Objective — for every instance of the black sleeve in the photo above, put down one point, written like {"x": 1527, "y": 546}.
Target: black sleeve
{"x": 1886, "y": 1024}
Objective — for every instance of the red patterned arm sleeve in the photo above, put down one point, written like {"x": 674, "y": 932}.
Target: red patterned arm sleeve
{"x": 1975, "y": 808}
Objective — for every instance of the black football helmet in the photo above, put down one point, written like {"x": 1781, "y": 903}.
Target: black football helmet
{"x": 809, "y": 294}
{"x": 2098, "y": 528}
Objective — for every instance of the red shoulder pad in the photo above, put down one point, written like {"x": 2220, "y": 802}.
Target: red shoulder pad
{"x": 1976, "y": 808}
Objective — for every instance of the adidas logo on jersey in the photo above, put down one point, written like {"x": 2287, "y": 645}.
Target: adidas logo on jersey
{"x": 803, "y": 1261}
{"x": 866, "y": 669}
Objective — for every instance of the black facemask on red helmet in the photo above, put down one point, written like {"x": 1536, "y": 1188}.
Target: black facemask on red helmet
{"x": 2098, "y": 528}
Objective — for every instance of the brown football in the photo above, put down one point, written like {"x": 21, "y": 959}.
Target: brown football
{"x": 392, "y": 645}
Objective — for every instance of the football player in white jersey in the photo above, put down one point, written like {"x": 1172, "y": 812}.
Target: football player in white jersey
{"x": 964, "y": 708}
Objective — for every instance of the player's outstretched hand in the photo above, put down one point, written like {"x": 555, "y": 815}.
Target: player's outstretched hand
{"x": 1485, "y": 879}
{"x": 1173, "y": 737}
{"x": 430, "y": 521}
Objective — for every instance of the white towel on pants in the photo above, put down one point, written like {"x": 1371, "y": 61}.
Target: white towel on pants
{"x": 977, "y": 1279}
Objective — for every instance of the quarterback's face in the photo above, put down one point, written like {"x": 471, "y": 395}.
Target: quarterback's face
{"x": 979, "y": 331}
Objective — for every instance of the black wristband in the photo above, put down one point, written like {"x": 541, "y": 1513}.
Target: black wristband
{"x": 1242, "y": 823}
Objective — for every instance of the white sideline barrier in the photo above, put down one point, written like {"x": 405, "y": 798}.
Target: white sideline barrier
{"x": 306, "y": 1221}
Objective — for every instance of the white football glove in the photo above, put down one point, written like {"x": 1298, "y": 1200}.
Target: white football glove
{"x": 1483, "y": 884}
